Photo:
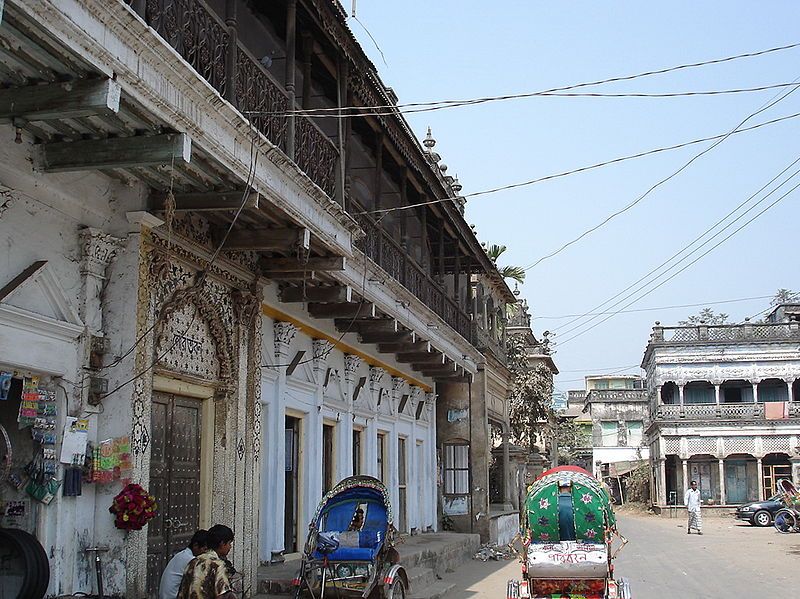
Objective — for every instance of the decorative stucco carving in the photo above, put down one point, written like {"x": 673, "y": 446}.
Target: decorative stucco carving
{"x": 284, "y": 334}
{"x": 98, "y": 250}
{"x": 351, "y": 365}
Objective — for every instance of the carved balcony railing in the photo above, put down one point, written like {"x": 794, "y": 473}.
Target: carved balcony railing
{"x": 201, "y": 37}
{"x": 379, "y": 247}
{"x": 727, "y": 332}
{"x": 484, "y": 340}
{"x": 737, "y": 411}
{"x": 623, "y": 395}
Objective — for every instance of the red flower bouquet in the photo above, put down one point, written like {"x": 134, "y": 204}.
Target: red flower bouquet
{"x": 133, "y": 507}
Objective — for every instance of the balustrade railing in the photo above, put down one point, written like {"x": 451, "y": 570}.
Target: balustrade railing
{"x": 736, "y": 411}
{"x": 379, "y": 247}
{"x": 201, "y": 37}
{"x": 727, "y": 332}
{"x": 618, "y": 395}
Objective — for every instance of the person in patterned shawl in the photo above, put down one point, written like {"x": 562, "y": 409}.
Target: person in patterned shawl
{"x": 206, "y": 576}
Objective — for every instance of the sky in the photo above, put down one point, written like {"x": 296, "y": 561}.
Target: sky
{"x": 457, "y": 49}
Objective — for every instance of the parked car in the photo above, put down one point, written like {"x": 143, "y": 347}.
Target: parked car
{"x": 760, "y": 513}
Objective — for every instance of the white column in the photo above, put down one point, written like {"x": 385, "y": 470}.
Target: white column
{"x": 790, "y": 385}
{"x": 394, "y": 478}
{"x": 344, "y": 445}
{"x": 312, "y": 471}
{"x": 685, "y": 468}
{"x": 717, "y": 393}
{"x": 412, "y": 464}
{"x": 680, "y": 394}
{"x": 284, "y": 334}
{"x": 662, "y": 482}
{"x": 722, "y": 498}
{"x": 755, "y": 392}
{"x": 433, "y": 496}
{"x": 371, "y": 447}
{"x": 760, "y": 479}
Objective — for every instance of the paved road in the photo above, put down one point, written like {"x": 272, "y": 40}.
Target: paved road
{"x": 730, "y": 561}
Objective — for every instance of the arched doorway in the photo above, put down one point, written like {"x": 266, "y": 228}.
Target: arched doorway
{"x": 741, "y": 478}
{"x": 775, "y": 466}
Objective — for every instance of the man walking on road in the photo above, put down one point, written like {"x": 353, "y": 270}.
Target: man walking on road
{"x": 692, "y": 501}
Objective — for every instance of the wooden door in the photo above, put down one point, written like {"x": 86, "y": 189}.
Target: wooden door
{"x": 176, "y": 427}
{"x": 772, "y": 474}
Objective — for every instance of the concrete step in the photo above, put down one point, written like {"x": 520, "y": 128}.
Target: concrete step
{"x": 437, "y": 590}
{"x": 419, "y": 577}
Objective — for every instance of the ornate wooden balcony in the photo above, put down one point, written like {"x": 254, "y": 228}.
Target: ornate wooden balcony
{"x": 201, "y": 37}
{"x": 379, "y": 247}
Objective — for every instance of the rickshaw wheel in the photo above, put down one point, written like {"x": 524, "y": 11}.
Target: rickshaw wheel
{"x": 396, "y": 590}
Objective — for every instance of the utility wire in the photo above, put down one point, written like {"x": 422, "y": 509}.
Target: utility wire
{"x": 582, "y": 168}
{"x": 655, "y": 309}
{"x": 687, "y": 266}
{"x": 655, "y": 273}
{"x": 481, "y": 100}
{"x": 771, "y": 307}
{"x": 686, "y": 165}
{"x": 320, "y": 113}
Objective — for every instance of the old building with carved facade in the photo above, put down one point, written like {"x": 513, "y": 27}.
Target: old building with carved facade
{"x": 724, "y": 408}
{"x": 214, "y": 276}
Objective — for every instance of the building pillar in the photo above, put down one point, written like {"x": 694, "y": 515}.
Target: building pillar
{"x": 722, "y": 498}
{"x": 662, "y": 481}
{"x": 755, "y": 392}
{"x": 291, "y": 46}
{"x": 685, "y": 468}
{"x": 680, "y": 394}
{"x": 506, "y": 467}
{"x": 760, "y": 479}
{"x": 790, "y": 387}
{"x": 717, "y": 393}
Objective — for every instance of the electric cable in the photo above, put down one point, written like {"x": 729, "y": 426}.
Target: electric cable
{"x": 655, "y": 309}
{"x": 687, "y": 266}
{"x": 654, "y": 274}
{"x": 485, "y": 99}
{"x": 686, "y": 165}
{"x": 771, "y": 307}
{"x": 685, "y": 248}
{"x": 353, "y": 112}
{"x": 580, "y": 169}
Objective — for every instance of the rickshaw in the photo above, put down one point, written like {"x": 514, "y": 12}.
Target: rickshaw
{"x": 350, "y": 550}
{"x": 787, "y": 519}
{"x": 567, "y": 530}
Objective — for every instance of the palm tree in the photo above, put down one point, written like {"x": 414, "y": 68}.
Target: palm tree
{"x": 516, "y": 273}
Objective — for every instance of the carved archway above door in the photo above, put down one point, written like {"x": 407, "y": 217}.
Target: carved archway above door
{"x": 193, "y": 340}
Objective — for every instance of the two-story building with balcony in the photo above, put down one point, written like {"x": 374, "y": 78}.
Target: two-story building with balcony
{"x": 618, "y": 409}
{"x": 225, "y": 274}
{"x": 724, "y": 409}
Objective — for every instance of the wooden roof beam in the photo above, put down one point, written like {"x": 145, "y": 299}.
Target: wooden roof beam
{"x": 73, "y": 99}
{"x": 343, "y": 310}
{"x": 431, "y": 358}
{"x": 400, "y": 347}
{"x": 335, "y": 294}
{"x": 331, "y": 263}
{"x": 207, "y": 201}
{"x": 368, "y": 325}
{"x": 115, "y": 152}
{"x": 269, "y": 240}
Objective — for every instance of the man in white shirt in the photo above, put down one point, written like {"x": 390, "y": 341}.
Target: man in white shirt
{"x": 692, "y": 501}
{"x": 173, "y": 573}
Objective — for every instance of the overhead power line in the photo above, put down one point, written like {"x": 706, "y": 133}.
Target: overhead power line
{"x": 661, "y": 182}
{"x": 665, "y": 281}
{"x": 655, "y": 309}
{"x": 655, "y": 273}
{"x": 583, "y": 169}
{"x": 440, "y": 104}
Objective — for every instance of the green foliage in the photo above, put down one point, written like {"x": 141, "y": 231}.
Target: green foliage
{"x": 517, "y": 273}
{"x": 570, "y": 437}
{"x": 531, "y": 389}
{"x": 783, "y": 296}
{"x": 705, "y": 316}
{"x": 637, "y": 485}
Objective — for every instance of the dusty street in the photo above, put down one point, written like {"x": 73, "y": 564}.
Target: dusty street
{"x": 663, "y": 562}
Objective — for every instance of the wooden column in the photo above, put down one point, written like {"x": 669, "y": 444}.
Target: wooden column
{"x": 423, "y": 238}
{"x": 231, "y": 53}
{"x": 378, "y": 181}
{"x": 139, "y": 6}
{"x": 291, "y": 44}
{"x": 441, "y": 252}
{"x": 308, "y": 51}
{"x": 344, "y": 98}
{"x": 404, "y": 214}
{"x": 457, "y": 276}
